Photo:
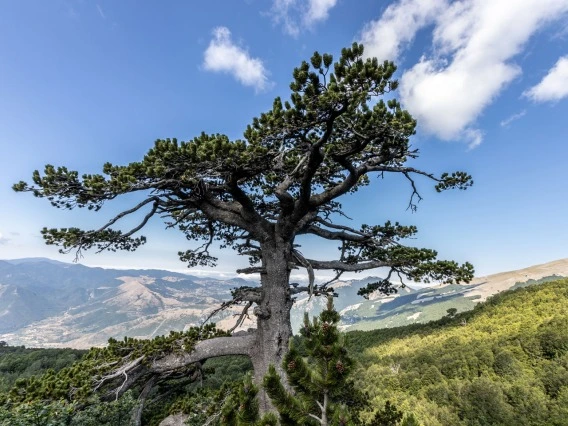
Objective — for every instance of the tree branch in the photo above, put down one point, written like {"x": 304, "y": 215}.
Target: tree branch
{"x": 343, "y": 187}
{"x": 281, "y": 191}
{"x": 248, "y": 211}
{"x": 347, "y": 267}
{"x": 242, "y": 316}
{"x": 210, "y": 348}
{"x": 330, "y": 235}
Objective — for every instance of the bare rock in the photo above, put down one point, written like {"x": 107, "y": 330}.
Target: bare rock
{"x": 175, "y": 420}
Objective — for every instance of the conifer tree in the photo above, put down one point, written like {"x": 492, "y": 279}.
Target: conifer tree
{"x": 241, "y": 407}
{"x": 322, "y": 392}
{"x": 261, "y": 194}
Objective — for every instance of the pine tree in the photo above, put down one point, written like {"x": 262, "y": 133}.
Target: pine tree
{"x": 388, "y": 416}
{"x": 261, "y": 195}
{"x": 241, "y": 408}
{"x": 322, "y": 392}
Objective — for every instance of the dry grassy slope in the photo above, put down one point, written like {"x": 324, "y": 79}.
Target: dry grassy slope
{"x": 492, "y": 284}
{"x": 142, "y": 307}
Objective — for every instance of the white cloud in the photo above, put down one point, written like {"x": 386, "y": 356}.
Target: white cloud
{"x": 473, "y": 44}
{"x": 318, "y": 10}
{"x": 554, "y": 86}
{"x": 295, "y": 15}
{"x": 397, "y": 27}
{"x": 506, "y": 122}
{"x": 472, "y": 137}
{"x": 222, "y": 55}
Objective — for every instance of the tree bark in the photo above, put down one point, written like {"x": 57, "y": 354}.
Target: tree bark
{"x": 267, "y": 345}
{"x": 274, "y": 329}
{"x": 211, "y": 348}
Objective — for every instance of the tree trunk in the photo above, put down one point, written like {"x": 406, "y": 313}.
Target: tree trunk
{"x": 274, "y": 329}
{"x": 268, "y": 343}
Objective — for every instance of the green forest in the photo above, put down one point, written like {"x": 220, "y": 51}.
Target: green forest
{"x": 503, "y": 363}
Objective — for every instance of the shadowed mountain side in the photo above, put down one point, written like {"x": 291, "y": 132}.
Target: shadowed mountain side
{"x": 19, "y": 306}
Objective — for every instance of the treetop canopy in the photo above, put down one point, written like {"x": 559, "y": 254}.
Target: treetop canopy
{"x": 281, "y": 180}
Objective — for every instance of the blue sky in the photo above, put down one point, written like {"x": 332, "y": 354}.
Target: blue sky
{"x": 84, "y": 82}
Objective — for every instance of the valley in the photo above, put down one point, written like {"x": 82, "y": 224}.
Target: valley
{"x": 44, "y": 303}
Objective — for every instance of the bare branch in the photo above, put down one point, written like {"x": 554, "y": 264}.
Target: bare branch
{"x": 137, "y": 415}
{"x": 121, "y": 371}
{"x": 242, "y": 316}
{"x": 210, "y": 348}
{"x": 252, "y": 270}
{"x": 248, "y": 211}
{"x": 391, "y": 169}
{"x": 337, "y": 276}
{"x": 343, "y": 187}
{"x": 130, "y": 211}
{"x": 281, "y": 191}
{"x": 347, "y": 267}
{"x": 411, "y": 205}
{"x": 221, "y": 308}
{"x": 306, "y": 264}
{"x": 330, "y": 235}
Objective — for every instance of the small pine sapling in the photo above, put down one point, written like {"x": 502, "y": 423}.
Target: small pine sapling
{"x": 321, "y": 392}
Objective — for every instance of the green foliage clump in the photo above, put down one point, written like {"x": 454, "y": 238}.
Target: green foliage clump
{"x": 73, "y": 387}
{"x": 388, "y": 416}
{"x": 20, "y": 362}
{"x": 503, "y": 363}
{"x": 59, "y": 413}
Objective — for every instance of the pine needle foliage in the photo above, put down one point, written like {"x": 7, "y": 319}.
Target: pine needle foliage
{"x": 241, "y": 407}
{"x": 322, "y": 392}
{"x": 78, "y": 382}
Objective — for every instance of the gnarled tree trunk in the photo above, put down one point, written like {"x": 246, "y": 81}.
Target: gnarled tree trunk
{"x": 274, "y": 329}
{"x": 266, "y": 345}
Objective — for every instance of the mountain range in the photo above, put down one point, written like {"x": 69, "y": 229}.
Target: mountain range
{"x": 46, "y": 303}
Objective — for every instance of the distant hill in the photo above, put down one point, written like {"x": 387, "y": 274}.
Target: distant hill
{"x": 48, "y": 303}
{"x": 45, "y": 303}
{"x": 503, "y": 363}
{"x": 431, "y": 303}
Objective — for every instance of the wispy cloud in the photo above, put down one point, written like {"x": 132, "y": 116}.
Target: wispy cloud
{"x": 318, "y": 10}
{"x": 506, "y": 122}
{"x": 554, "y": 86}
{"x": 3, "y": 239}
{"x": 472, "y": 137}
{"x": 470, "y": 59}
{"x": 296, "y": 15}
{"x": 101, "y": 12}
{"x": 223, "y": 55}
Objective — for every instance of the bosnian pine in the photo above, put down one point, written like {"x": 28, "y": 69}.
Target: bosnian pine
{"x": 260, "y": 194}
{"x": 322, "y": 392}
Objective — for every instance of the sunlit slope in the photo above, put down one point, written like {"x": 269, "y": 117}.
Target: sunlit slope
{"x": 432, "y": 303}
{"x": 503, "y": 363}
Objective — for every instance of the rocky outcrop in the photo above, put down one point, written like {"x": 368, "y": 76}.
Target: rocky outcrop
{"x": 174, "y": 420}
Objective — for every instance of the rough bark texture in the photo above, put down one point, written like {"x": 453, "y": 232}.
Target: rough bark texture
{"x": 220, "y": 346}
{"x": 273, "y": 325}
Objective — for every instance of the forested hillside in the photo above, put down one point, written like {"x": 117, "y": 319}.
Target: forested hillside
{"x": 503, "y": 363}
{"x": 20, "y": 362}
